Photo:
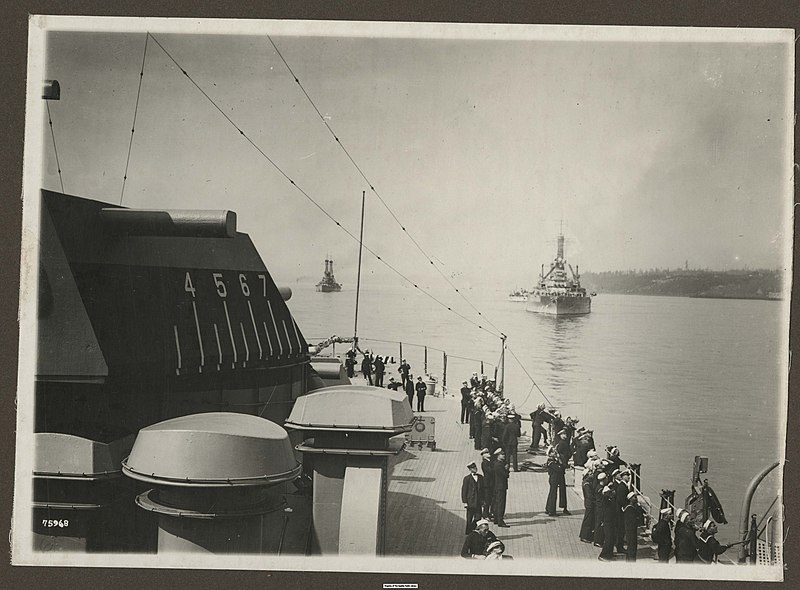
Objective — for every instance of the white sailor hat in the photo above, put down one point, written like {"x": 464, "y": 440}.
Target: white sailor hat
{"x": 562, "y": 431}
{"x": 615, "y": 473}
{"x": 631, "y": 495}
{"x": 606, "y": 490}
{"x": 498, "y": 452}
{"x": 592, "y": 454}
{"x": 601, "y": 476}
{"x": 494, "y": 545}
{"x": 625, "y": 472}
{"x": 482, "y": 521}
{"x": 471, "y": 464}
{"x": 684, "y": 517}
{"x": 708, "y": 524}
{"x": 666, "y": 511}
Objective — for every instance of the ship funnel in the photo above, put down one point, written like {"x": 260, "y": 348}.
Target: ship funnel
{"x": 179, "y": 223}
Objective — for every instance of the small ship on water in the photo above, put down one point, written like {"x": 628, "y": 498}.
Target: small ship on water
{"x": 559, "y": 292}
{"x": 328, "y": 283}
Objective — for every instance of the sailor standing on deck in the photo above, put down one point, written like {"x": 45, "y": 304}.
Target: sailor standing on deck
{"x": 500, "y": 488}
{"x": 558, "y": 485}
{"x": 466, "y": 397}
{"x": 366, "y": 369}
{"x": 405, "y": 371}
{"x": 588, "y": 486}
{"x": 539, "y": 416}
{"x": 510, "y": 440}
{"x": 476, "y": 424}
{"x": 487, "y": 466}
{"x": 623, "y": 492}
{"x": 380, "y": 369}
{"x": 421, "y": 390}
{"x": 408, "y": 385}
{"x": 472, "y": 494}
{"x": 474, "y": 381}
{"x": 609, "y": 522}
{"x": 662, "y": 535}
{"x": 599, "y": 536}
{"x": 632, "y": 512}
{"x": 708, "y": 548}
{"x": 685, "y": 539}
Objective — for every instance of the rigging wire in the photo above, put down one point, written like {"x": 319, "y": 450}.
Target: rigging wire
{"x": 305, "y": 194}
{"x": 55, "y": 149}
{"x": 536, "y": 385}
{"x": 372, "y": 186}
{"x": 133, "y": 124}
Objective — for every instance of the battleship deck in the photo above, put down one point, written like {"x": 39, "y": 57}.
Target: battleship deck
{"x": 426, "y": 516}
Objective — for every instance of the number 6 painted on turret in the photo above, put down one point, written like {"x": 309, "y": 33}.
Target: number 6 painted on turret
{"x": 243, "y": 283}
{"x": 221, "y": 290}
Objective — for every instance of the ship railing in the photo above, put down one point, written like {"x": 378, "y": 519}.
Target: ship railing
{"x": 435, "y": 362}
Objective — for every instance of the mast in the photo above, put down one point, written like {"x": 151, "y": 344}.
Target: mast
{"x": 358, "y": 281}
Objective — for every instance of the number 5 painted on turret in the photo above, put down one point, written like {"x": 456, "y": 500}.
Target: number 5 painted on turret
{"x": 221, "y": 290}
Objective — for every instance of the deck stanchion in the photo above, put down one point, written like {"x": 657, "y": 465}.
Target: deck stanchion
{"x": 426, "y": 360}
{"x": 401, "y": 351}
{"x": 481, "y": 367}
{"x": 444, "y": 372}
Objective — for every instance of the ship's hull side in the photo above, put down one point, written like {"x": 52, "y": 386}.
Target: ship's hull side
{"x": 329, "y": 288}
{"x": 555, "y": 305}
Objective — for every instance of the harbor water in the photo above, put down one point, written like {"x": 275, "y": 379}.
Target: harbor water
{"x": 663, "y": 378}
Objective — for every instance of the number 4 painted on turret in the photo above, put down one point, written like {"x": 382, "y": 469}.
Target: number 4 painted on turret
{"x": 187, "y": 284}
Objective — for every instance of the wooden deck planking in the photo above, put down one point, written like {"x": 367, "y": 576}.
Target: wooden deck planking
{"x": 425, "y": 515}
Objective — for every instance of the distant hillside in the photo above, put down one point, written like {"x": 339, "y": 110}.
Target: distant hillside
{"x": 738, "y": 284}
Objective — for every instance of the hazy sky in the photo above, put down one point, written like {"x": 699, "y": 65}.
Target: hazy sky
{"x": 653, "y": 153}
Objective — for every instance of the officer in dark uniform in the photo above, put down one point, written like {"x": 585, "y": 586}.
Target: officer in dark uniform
{"x": 472, "y": 494}
{"x": 662, "y": 535}
{"x": 500, "y": 487}
{"x": 466, "y": 398}
{"x": 421, "y": 390}
{"x": 708, "y": 548}
{"x": 474, "y": 381}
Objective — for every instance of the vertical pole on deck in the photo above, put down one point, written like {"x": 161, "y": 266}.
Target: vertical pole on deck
{"x": 481, "y": 367}
{"x": 401, "y": 352}
{"x": 753, "y": 544}
{"x": 426, "y": 360}
{"x": 358, "y": 281}
{"x": 444, "y": 371}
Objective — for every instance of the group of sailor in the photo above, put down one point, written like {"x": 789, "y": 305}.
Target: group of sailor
{"x": 684, "y": 542}
{"x": 495, "y": 428}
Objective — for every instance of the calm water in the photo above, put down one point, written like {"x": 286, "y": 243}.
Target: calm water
{"x": 664, "y": 378}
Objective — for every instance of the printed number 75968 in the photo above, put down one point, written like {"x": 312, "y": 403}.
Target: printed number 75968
{"x": 55, "y": 523}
